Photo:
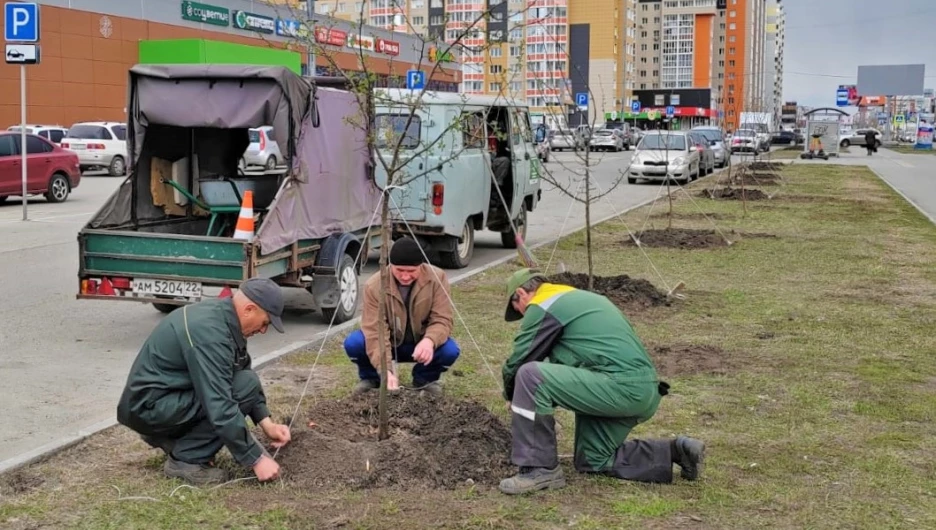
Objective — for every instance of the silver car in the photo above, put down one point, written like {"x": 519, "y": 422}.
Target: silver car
{"x": 716, "y": 138}
{"x": 562, "y": 140}
{"x": 857, "y": 137}
{"x": 745, "y": 140}
{"x": 607, "y": 140}
{"x": 707, "y": 154}
{"x": 663, "y": 155}
{"x": 263, "y": 150}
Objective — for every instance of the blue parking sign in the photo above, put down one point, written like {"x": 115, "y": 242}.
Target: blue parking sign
{"x": 670, "y": 111}
{"x": 635, "y": 107}
{"x": 21, "y": 22}
{"x": 581, "y": 99}
{"x": 415, "y": 80}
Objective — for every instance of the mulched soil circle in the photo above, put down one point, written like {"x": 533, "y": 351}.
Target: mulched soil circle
{"x": 688, "y": 359}
{"x": 734, "y": 194}
{"x": 684, "y": 238}
{"x": 624, "y": 291}
{"x": 433, "y": 443}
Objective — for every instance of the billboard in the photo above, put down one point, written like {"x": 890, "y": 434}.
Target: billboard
{"x": 846, "y": 96}
{"x": 891, "y": 80}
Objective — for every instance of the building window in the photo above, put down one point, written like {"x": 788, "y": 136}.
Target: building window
{"x": 496, "y": 69}
{"x": 494, "y": 87}
{"x": 496, "y": 51}
{"x": 732, "y": 26}
{"x": 419, "y": 21}
{"x": 732, "y": 14}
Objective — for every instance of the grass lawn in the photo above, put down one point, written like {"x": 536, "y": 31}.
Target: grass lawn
{"x": 909, "y": 149}
{"x": 786, "y": 153}
{"x": 816, "y": 395}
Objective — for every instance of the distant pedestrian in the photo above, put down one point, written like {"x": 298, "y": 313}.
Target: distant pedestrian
{"x": 870, "y": 138}
{"x": 191, "y": 386}
{"x": 576, "y": 350}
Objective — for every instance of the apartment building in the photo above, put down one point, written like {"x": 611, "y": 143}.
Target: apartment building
{"x": 744, "y": 73}
{"x": 773, "y": 60}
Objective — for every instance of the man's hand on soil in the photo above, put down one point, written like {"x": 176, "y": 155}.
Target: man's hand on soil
{"x": 424, "y": 351}
{"x": 266, "y": 469}
{"x": 392, "y": 382}
{"x": 278, "y": 433}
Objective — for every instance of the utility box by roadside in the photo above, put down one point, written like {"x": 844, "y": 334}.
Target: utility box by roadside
{"x": 204, "y": 51}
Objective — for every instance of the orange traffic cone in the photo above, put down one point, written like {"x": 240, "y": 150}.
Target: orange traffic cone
{"x": 245, "y": 221}
{"x": 226, "y": 292}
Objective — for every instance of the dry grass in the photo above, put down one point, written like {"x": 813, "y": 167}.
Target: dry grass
{"x": 822, "y": 417}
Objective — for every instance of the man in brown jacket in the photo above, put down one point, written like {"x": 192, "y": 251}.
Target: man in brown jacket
{"x": 418, "y": 327}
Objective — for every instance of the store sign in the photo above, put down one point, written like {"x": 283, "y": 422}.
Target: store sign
{"x": 360, "y": 42}
{"x": 388, "y": 47}
{"x": 437, "y": 56}
{"x": 251, "y": 22}
{"x": 290, "y": 28}
{"x": 206, "y": 14}
{"x": 332, "y": 36}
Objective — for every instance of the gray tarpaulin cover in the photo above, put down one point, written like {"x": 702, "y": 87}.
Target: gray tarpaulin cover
{"x": 328, "y": 190}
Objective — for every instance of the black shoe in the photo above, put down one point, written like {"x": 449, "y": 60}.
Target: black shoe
{"x": 689, "y": 455}
{"x": 365, "y": 385}
{"x": 197, "y": 474}
{"x": 533, "y": 479}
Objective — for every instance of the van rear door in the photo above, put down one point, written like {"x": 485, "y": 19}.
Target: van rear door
{"x": 394, "y": 127}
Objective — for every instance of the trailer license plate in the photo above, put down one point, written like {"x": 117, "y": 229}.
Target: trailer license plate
{"x": 167, "y": 287}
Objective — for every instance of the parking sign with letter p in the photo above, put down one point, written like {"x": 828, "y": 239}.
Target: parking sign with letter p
{"x": 20, "y": 22}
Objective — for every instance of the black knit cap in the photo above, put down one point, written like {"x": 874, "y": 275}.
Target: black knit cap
{"x": 406, "y": 252}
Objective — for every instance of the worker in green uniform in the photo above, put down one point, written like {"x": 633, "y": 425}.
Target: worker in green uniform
{"x": 191, "y": 386}
{"x": 598, "y": 369}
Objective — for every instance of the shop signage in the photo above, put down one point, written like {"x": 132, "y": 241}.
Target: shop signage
{"x": 290, "y": 28}
{"x": 388, "y": 47}
{"x": 332, "y": 36}
{"x": 252, "y": 22}
{"x": 206, "y": 14}
{"x": 360, "y": 42}
{"x": 438, "y": 56}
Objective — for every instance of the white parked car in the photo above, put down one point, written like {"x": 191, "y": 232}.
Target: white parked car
{"x": 263, "y": 150}
{"x": 99, "y": 145}
{"x": 606, "y": 139}
{"x": 665, "y": 154}
{"x": 745, "y": 140}
{"x": 52, "y": 133}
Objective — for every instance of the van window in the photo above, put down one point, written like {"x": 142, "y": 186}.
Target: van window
{"x": 388, "y": 128}
{"x": 89, "y": 132}
{"x": 7, "y": 147}
{"x": 120, "y": 131}
{"x": 56, "y": 135}
{"x": 473, "y": 130}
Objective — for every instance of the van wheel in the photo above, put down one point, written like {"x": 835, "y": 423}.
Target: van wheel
{"x": 461, "y": 256}
{"x": 508, "y": 238}
{"x": 349, "y": 293}
{"x": 271, "y": 163}
{"x": 58, "y": 188}
{"x": 118, "y": 167}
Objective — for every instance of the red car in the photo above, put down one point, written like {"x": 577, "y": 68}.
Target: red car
{"x": 50, "y": 170}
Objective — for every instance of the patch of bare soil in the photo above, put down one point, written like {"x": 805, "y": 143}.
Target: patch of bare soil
{"x": 627, "y": 293}
{"x": 693, "y": 215}
{"x": 21, "y": 481}
{"x": 689, "y": 359}
{"x": 734, "y": 194}
{"x": 433, "y": 443}
{"x": 684, "y": 238}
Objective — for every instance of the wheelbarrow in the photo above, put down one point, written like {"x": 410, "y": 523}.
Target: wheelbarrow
{"x": 224, "y": 196}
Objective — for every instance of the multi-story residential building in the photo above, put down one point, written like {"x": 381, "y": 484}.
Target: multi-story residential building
{"x": 773, "y": 60}
{"x": 744, "y": 72}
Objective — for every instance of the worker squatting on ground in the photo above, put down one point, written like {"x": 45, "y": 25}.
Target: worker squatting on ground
{"x": 599, "y": 370}
{"x": 420, "y": 310}
{"x": 191, "y": 386}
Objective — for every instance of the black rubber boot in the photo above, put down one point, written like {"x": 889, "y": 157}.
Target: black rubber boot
{"x": 533, "y": 479}
{"x": 689, "y": 454}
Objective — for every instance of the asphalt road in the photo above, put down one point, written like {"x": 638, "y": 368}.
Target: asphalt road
{"x": 64, "y": 361}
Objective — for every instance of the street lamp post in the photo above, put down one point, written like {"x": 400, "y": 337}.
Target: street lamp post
{"x": 310, "y": 13}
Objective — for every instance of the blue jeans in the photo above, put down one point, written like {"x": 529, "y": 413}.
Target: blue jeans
{"x": 444, "y": 357}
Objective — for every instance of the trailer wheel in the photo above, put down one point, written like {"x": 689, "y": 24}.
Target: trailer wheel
{"x": 349, "y": 293}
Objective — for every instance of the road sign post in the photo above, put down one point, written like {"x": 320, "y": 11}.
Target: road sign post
{"x": 635, "y": 110}
{"x": 21, "y": 25}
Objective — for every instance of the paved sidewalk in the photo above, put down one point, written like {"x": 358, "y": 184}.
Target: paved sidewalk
{"x": 912, "y": 175}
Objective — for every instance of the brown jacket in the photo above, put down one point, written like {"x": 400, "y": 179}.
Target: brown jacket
{"x": 430, "y": 309}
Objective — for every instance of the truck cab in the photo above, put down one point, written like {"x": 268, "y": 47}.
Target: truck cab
{"x": 456, "y": 164}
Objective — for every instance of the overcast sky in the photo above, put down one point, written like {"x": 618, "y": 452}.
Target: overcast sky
{"x": 833, "y": 37}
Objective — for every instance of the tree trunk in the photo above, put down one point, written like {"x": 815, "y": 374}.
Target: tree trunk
{"x": 588, "y": 228}
{"x": 384, "y": 419}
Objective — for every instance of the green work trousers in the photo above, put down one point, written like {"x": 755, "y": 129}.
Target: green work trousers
{"x": 606, "y": 406}
{"x": 179, "y": 425}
